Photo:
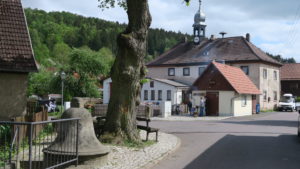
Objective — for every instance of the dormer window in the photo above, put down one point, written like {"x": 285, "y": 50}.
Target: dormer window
{"x": 152, "y": 84}
{"x": 186, "y": 71}
{"x": 206, "y": 53}
{"x": 171, "y": 71}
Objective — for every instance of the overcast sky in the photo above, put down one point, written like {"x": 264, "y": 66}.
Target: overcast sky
{"x": 273, "y": 24}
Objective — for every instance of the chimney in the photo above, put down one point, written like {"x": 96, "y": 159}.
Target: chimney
{"x": 248, "y": 37}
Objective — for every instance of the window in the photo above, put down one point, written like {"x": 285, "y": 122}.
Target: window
{"x": 245, "y": 69}
{"x": 244, "y": 100}
{"x": 152, "y": 94}
{"x": 160, "y": 95}
{"x": 186, "y": 71}
{"x": 275, "y": 75}
{"x": 171, "y": 71}
{"x": 275, "y": 95}
{"x": 265, "y": 73}
{"x": 168, "y": 95}
{"x": 145, "y": 94}
{"x": 152, "y": 84}
{"x": 265, "y": 95}
{"x": 201, "y": 70}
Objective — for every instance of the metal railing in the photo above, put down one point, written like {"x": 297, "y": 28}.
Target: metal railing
{"x": 39, "y": 145}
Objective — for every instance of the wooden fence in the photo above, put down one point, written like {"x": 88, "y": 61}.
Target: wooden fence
{"x": 31, "y": 116}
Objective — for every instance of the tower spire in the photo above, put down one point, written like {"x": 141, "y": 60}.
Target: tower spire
{"x": 199, "y": 25}
{"x": 200, "y": 3}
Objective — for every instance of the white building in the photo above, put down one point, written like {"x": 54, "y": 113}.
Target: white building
{"x": 186, "y": 61}
{"x": 155, "y": 91}
{"x": 228, "y": 91}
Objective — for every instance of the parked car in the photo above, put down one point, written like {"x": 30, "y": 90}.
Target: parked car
{"x": 287, "y": 102}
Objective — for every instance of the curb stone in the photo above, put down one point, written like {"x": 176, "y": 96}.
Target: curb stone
{"x": 153, "y": 162}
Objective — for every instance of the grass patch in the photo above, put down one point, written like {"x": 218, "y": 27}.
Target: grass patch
{"x": 57, "y": 113}
{"x": 266, "y": 111}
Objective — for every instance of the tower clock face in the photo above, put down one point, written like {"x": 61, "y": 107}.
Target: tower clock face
{"x": 196, "y": 39}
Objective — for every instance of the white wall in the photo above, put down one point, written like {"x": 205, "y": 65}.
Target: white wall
{"x": 162, "y": 73}
{"x": 239, "y": 109}
{"x": 106, "y": 90}
{"x": 230, "y": 103}
{"x": 225, "y": 103}
{"x": 196, "y": 96}
{"x": 176, "y": 94}
{"x": 269, "y": 84}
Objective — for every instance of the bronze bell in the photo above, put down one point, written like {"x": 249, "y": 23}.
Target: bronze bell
{"x": 89, "y": 147}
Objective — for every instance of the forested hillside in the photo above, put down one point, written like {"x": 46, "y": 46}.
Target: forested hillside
{"x": 62, "y": 40}
{"x": 51, "y": 32}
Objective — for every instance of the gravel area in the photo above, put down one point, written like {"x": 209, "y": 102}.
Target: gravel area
{"x": 133, "y": 158}
{"x": 190, "y": 118}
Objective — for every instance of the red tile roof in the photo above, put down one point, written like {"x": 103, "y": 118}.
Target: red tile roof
{"x": 237, "y": 79}
{"x": 231, "y": 49}
{"x": 290, "y": 71}
{"x": 16, "y": 53}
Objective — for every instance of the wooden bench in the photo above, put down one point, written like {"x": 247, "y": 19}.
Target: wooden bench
{"x": 147, "y": 128}
{"x": 101, "y": 119}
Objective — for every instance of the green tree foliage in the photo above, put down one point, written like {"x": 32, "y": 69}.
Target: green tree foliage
{"x": 280, "y": 59}
{"x": 40, "y": 83}
{"x": 73, "y": 31}
{"x": 84, "y": 48}
{"x": 82, "y": 72}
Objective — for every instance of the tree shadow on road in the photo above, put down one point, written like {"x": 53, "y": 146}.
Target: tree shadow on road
{"x": 250, "y": 152}
{"x": 283, "y": 123}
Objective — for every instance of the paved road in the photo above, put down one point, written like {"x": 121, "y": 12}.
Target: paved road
{"x": 265, "y": 141}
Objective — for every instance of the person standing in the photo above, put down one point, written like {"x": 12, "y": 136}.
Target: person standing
{"x": 206, "y": 105}
{"x": 202, "y": 106}
{"x": 190, "y": 106}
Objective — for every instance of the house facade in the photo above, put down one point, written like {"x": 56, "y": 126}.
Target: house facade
{"x": 187, "y": 60}
{"x": 290, "y": 79}
{"x": 161, "y": 90}
{"x": 16, "y": 59}
{"x": 228, "y": 91}
{"x": 153, "y": 92}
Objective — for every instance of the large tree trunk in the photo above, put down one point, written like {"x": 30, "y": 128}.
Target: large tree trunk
{"x": 127, "y": 71}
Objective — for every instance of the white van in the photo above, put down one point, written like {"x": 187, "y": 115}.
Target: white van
{"x": 287, "y": 102}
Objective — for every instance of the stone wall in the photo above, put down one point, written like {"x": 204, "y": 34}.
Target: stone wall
{"x": 13, "y": 88}
{"x": 81, "y": 102}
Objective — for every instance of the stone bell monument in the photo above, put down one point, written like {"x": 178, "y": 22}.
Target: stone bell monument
{"x": 89, "y": 147}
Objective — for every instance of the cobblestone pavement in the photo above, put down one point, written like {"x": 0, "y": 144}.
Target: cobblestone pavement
{"x": 132, "y": 158}
{"x": 264, "y": 141}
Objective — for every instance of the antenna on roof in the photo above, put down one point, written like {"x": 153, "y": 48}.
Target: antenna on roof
{"x": 223, "y": 34}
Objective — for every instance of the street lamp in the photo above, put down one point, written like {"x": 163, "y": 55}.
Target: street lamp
{"x": 63, "y": 77}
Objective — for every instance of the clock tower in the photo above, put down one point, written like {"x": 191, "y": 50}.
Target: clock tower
{"x": 199, "y": 25}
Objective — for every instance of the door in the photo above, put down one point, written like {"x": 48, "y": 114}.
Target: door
{"x": 212, "y": 104}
